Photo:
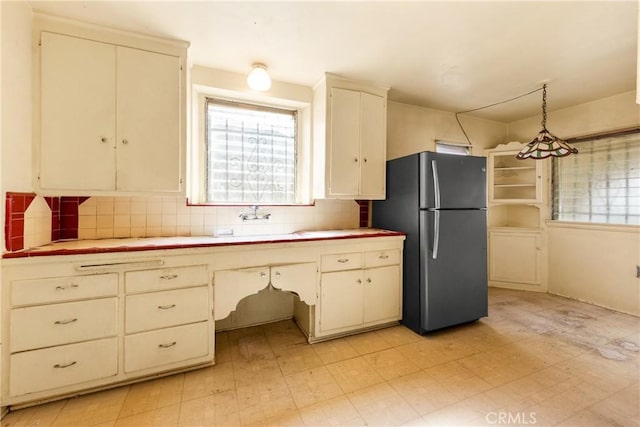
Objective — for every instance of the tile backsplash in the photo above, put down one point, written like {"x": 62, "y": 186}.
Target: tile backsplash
{"x": 117, "y": 217}
{"x": 34, "y": 221}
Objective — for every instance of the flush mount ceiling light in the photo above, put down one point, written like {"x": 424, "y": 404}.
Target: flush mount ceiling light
{"x": 258, "y": 78}
{"x": 545, "y": 144}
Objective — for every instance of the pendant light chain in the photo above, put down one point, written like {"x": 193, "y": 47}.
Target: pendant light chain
{"x": 544, "y": 106}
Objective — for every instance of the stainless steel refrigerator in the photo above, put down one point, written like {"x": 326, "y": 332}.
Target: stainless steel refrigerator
{"x": 439, "y": 201}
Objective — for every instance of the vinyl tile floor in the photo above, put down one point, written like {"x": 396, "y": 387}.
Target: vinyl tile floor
{"x": 538, "y": 359}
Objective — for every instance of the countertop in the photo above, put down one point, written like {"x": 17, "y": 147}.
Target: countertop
{"x": 77, "y": 247}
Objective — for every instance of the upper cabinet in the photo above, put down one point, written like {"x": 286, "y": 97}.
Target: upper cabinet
{"x": 349, "y": 139}
{"x": 512, "y": 180}
{"x": 112, "y": 111}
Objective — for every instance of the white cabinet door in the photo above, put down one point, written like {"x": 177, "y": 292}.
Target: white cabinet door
{"x": 78, "y": 115}
{"x": 297, "y": 278}
{"x": 382, "y": 294}
{"x": 373, "y": 147}
{"x": 344, "y": 157}
{"x": 230, "y": 286}
{"x": 110, "y": 117}
{"x": 515, "y": 257}
{"x": 148, "y": 121}
{"x": 341, "y": 300}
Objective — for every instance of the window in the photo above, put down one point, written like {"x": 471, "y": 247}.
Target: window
{"x": 452, "y": 148}
{"x": 600, "y": 184}
{"x": 250, "y": 153}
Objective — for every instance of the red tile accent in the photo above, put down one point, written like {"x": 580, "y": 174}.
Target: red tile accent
{"x": 54, "y": 205}
{"x": 364, "y": 212}
{"x": 68, "y": 218}
{"x": 15, "y": 206}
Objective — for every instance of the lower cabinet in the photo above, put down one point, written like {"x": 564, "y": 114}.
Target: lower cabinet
{"x": 365, "y": 292}
{"x": 73, "y": 324}
{"x": 78, "y": 326}
{"x": 51, "y": 368}
{"x": 164, "y": 346}
{"x": 516, "y": 259}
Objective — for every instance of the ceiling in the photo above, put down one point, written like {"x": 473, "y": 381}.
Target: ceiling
{"x": 447, "y": 55}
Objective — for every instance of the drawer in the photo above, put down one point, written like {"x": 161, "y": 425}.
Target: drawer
{"x": 156, "y": 348}
{"x": 42, "y": 291}
{"x": 33, "y": 371}
{"x": 381, "y": 258}
{"x": 168, "y": 308}
{"x": 48, "y": 325}
{"x": 166, "y": 278}
{"x": 338, "y": 262}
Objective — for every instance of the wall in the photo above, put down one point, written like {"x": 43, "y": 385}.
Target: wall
{"x": 595, "y": 264}
{"x": 411, "y": 129}
{"x": 16, "y": 96}
{"x": 592, "y": 263}
{"x": 606, "y": 114}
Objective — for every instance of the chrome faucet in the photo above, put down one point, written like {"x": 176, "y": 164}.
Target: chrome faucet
{"x": 254, "y": 214}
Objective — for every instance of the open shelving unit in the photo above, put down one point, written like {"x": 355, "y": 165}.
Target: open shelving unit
{"x": 516, "y": 213}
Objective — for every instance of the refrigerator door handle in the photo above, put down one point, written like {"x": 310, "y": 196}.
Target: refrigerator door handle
{"x": 436, "y": 234}
{"x": 436, "y": 185}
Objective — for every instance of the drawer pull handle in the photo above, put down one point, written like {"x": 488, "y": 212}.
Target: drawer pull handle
{"x": 64, "y": 365}
{"x": 343, "y": 260}
{"x": 65, "y": 287}
{"x": 383, "y": 256}
{"x": 65, "y": 322}
{"x": 167, "y": 345}
{"x": 166, "y": 307}
{"x": 169, "y": 276}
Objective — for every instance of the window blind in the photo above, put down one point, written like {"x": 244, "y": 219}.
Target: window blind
{"x": 600, "y": 184}
{"x": 251, "y": 153}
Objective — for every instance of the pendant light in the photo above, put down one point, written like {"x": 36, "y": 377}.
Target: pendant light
{"x": 258, "y": 78}
{"x": 545, "y": 144}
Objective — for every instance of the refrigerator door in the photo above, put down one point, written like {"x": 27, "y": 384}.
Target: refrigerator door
{"x": 454, "y": 267}
{"x": 449, "y": 181}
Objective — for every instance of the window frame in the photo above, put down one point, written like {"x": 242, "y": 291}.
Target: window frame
{"x": 196, "y": 148}
{"x": 453, "y": 146}
{"x": 247, "y": 106}
{"x": 553, "y": 184}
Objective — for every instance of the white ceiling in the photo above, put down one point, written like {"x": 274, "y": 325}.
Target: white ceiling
{"x": 448, "y": 55}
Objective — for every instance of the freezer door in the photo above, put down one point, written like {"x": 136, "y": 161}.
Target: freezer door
{"x": 449, "y": 181}
{"x": 454, "y": 267}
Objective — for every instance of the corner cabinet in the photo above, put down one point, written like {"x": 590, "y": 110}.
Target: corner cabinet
{"x": 111, "y": 112}
{"x": 349, "y": 139}
{"x": 518, "y": 207}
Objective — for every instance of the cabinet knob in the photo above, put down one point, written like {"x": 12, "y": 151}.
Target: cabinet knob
{"x": 125, "y": 141}
{"x": 359, "y": 281}
{"x": 369, "y": 280}
{"x": 365, "y": 160}
{"x": 355, "y": 160}
{"x": 103, "y": 139}
{"x": 263, "y": 274}
{"x": 277, "y": 274}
